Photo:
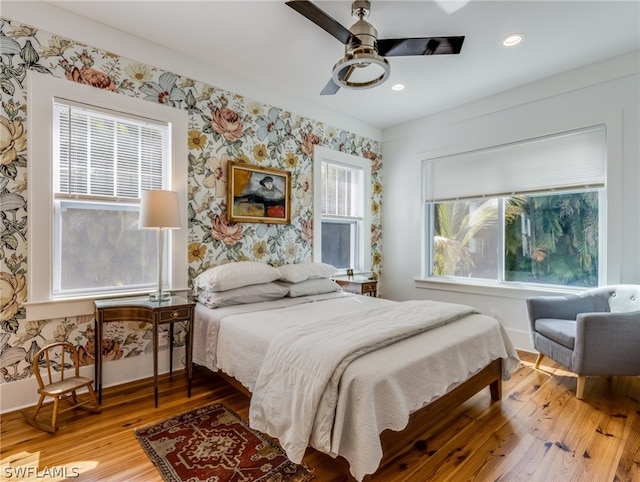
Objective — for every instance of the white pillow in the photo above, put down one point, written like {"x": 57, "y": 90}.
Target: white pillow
{"x": 309, "y": 287}
{"x": 239, "y": 296}
{"x": 294, "y": 273}
{"x": 235, "y": 275}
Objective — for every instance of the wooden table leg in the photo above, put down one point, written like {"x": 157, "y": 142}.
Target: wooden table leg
{"x": 97, "y": 342}
{"x": 189, "y": 348}
{"x": 155, "y": 362}
{"x": 170, "y": 348}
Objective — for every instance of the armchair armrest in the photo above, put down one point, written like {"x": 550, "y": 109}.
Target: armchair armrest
{"x": 607, "y": 344}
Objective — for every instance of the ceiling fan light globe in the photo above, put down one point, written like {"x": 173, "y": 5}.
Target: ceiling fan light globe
{"x": 377, "y": 71}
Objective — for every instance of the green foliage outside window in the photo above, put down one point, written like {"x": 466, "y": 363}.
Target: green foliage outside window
{"x": 544, "y": 239}
{"x": 559, "y": 242}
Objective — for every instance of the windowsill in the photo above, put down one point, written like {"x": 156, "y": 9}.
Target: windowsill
{"x": 517, "y": 291}
{"x": 67, "y": 307}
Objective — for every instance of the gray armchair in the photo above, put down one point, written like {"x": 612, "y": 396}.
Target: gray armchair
{"x": 596, "y": 332}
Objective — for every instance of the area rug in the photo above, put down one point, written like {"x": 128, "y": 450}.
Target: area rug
{"x": 213, "y": 443}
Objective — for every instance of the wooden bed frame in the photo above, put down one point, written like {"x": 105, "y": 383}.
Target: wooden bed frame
{"x": 393, "y": 442}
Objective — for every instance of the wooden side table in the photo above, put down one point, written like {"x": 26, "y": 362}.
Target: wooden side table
{"x": 176, "y": 309}
{"x": 359, "y": 285}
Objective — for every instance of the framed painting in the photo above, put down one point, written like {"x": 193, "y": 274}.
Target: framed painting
{"x": 258, "y": 194}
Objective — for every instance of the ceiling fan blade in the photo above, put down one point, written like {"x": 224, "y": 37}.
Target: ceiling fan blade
{"x": 331, "y": 88}
{"x": 420, "y": 46}
{"x": 322, "y": 20}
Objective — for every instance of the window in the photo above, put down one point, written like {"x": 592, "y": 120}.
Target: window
{"x": 102, "y": 160}
{"x": 342, "y": 210}
{"x": 528, "y": 212}
{"x": 103, "y": 149}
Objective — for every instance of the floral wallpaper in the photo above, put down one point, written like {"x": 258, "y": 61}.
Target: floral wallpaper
{"x": 223, "y": 126}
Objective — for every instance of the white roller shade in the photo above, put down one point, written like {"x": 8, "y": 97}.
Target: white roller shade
{"x": 570, "y": 160}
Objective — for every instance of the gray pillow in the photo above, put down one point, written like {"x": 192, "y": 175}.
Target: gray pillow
{"x": 239, "y": 296}
{"x": 309, "y": 287}
{"x": 295, "y": 273}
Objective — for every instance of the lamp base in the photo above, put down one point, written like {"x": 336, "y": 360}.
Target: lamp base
{"x": 160, "y": 296}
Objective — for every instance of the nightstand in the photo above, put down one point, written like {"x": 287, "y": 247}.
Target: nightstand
{"x": 359, "y": 285}
{"x": 174, "y": 310}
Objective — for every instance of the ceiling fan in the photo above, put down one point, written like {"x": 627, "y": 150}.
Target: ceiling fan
{"x": 363, "y": 49}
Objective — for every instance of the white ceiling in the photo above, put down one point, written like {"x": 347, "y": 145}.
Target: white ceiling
{"x": 267, "y": 42}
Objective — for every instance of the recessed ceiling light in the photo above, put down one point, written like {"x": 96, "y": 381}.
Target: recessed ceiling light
{"x": 397, "y": 87}
{"x": 513, "y": 39}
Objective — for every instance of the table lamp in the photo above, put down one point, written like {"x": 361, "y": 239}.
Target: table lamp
{"x": 159, "y": 209}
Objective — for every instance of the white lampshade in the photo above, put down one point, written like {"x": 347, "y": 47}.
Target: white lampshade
{"x": 159, "y": 209}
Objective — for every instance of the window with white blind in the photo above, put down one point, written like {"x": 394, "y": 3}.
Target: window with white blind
{"x": 526, "y": 212}
{"x": 102, "y": 160}
{"x": 97, "y": 152}
{"x": 342, "y": 210}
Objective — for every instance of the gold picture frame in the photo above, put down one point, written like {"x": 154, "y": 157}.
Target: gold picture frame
{"x": 258, "y": 194}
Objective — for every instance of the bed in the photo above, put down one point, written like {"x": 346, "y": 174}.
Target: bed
{"x": 352, "y": 384}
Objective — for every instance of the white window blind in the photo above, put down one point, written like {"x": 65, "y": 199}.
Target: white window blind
{"x": 103, "y": 154}
{"x": 341, "y": 190}
{"x": 569, "y": 160}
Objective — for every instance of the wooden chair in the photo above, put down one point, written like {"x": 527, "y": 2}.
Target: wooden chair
{"x": 63, "y": 377}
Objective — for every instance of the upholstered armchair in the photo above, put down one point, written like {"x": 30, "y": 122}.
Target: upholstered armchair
{"x": 596, "y": 332}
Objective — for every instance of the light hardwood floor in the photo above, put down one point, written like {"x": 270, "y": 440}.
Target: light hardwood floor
{"x": 539, "y": 431}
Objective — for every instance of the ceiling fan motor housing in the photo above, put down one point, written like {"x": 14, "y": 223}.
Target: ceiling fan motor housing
{"x": 366, "y": 33}
{"x": 368, "y": 36}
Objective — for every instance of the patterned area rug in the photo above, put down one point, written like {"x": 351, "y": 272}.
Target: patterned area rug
{"x": 213, "y": 443}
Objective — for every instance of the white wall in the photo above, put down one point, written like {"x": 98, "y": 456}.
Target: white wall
{"x": 606, "y": 92}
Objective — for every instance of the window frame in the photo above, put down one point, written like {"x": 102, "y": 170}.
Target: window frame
{"x": 42, "y": 90}
{"x": 500, "y": 278}
{"x": 320, "y": 155}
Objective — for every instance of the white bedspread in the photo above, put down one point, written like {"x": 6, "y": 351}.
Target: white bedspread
{"x": 312, "y": 357}
{"x": 378, "y": 390}
{"x": 216, "y": 348}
